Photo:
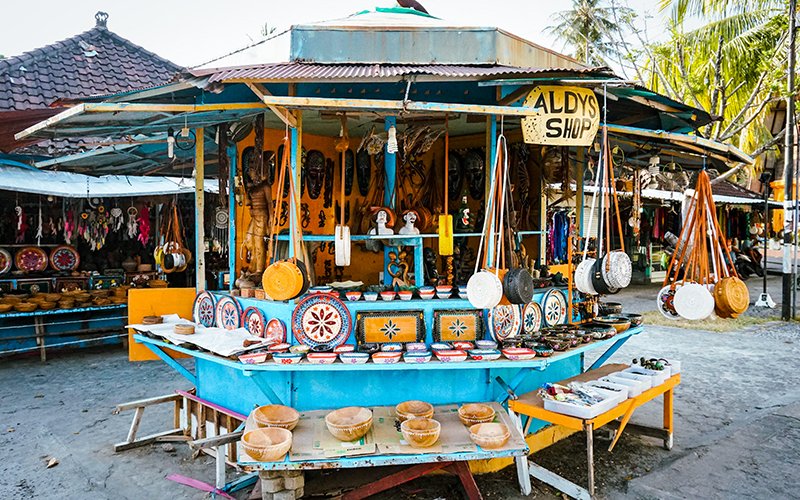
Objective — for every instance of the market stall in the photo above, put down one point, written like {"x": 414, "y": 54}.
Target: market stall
{"x": 390, "y": 229}
{"x": 72, "y": 247}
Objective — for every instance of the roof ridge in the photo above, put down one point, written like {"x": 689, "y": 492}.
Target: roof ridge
{"x": 68, "y": 43}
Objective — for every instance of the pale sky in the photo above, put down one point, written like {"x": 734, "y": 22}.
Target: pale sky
{"x": 192, "y": 32}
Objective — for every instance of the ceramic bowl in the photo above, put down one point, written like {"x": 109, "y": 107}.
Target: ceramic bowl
{"x": 417, "y": 356}
{"x": 405, "y": 295}
{"x": 556, "y": 343}
{"x": 253, "y": 358}
{"x": 386, "y": 358}
{"x": 269, "y": 444}
{"x": 635, "y": 319}
{"x": 391, "y": 347}
{"x": 420, "y": 432}
{"x": 344, "y": 348}
{"x": 607, "y": 308}
{"x": 519, "y": 353}
{"x": 354, "y": 358}
{"x": 370, "y": 296}
{"x": 484, "y": 354}
{"x": 368, "y": 348}
{"x": 475, "y": 413}
{"x": 543, "y": 350}
{"x": 388, "y": 295}
{"x": 287, "y": 358}
{"x": 489, "y": 436}
{"x": 282, "y": 347}
{"x": 300, "y": 349}
{"x": 416, "y": 346}
{"x": 451, "y": 355}
{"x": 426, "y": 295}
{"x": 426, "y": 289}
{"x": 486, "y": 344}
{"x": 281, "y": 416}
{"x": 463, "y": 295}
{"x": 413, "y": 409}
{"x": 321, "y": 358}
{"x": 320, "y": 289}
{"x": 444, "y": 289}
{"x": 443, "y": 295}
{"x": 464, "y": 345}
{"x": 350, "y": 423}
{"x": 353, "y": 296}
{"x": 441, "y": 346}
{"x": 510, "y": 343}
{"x": 620, "y": 324}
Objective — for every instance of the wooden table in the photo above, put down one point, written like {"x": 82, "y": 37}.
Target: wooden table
{"x": 532, "y": 405}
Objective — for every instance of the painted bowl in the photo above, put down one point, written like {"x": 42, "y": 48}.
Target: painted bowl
{"x": 420, "y": 432}
{"x": 426, "y": 289}
{"x": 321, "y": 358}
{"x": 489, "y": 436}
{"x": 556, "y": 343}
{"x": 350, "y": 423}
{"x": 300, "y": 349}
{"x": 282, "y": 347}
{"x": 413, "y": 409}
{"x": 484, "y": 354}
{"x": 620, "y": 324}
{"x": 287, "y": 358}
{"x": 388, "y": 295}
{"x": 281, "y": 416}
{"x": 475, "y": 413}
{"x": 353, "y": 296}
{"x": 368, "y": 348}
{"x": 320, "y": 289}
{"x": 440, "y": 346}
{"x": 253, "y": 358}
{"x": 386, "y": 358}
{"x": 464, "y": 345}
{"x": 405, "y": 295}
{"x": 486, "y": 344}
{"x": 543, "y": 350}
{"x": 511, "y": 343}
{"x": 269, "y": 444}
{"x": 635, "y": 319}
{"x": 354, "y": 358}
{"x": 451, "y": 355}
{"x": 463, "y": 295}
{"x": 344, "y": 348}
{"x": 370, "y": 296}
{"x": 519, "y": 353}
{"x": 417, "y": 356}
{"x": 443, "y": 295}
{"x": 444, "y": 289}
{"x": 416, "y": 346}
{"x": 427, "y": 295}
{"x": 607, "y": 308}
{"x": 391, "y": 347}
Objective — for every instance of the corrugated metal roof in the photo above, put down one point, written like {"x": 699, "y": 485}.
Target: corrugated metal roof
{"x": 312, "y": 71}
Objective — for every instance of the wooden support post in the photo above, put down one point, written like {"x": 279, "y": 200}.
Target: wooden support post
{"x": 393, "y": 480}
{"x": 199, "y": 208}
{"x": 668, "y": 417}
{"x": 389, "y": 198}
{"x": 233, "y": 156}
{"x": 38, "y": 328}
{"x": 137, "y": 418}
{"x": 467, "y": 480}
{"x": 590, "y": 456}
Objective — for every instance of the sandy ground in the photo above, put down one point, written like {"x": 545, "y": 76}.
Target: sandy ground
{"x": 737, "y": 426}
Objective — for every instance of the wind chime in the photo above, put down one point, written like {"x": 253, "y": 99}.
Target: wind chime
{"x": 701, "y": 278}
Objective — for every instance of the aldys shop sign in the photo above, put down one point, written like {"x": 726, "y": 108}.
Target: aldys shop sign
{"x": 568, "y": 116}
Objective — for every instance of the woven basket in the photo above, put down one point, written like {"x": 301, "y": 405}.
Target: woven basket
{"x": 52, "y": 297}
{"x": 152, "y": 320}
{"x": 184, "y": 329}
{"x": 25, "y": 307}
{"x": 4, "y": 308}
{"x": 47, "y": 306}
{"x": 731, "y": 297}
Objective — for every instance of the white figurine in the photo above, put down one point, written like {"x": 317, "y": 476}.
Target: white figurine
{"x": 410, "y": 218}
{"x": 382, "y": 221}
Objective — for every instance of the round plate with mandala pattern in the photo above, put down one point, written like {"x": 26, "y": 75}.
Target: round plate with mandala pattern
{"x": 321, "y": 320}
{"x": 253, "y": 320}
{"x": 531, "y": 317}
{"x": 504, "y": 321}
{"x": 203, "y": 311}
{"x": 64, "y": 258}
{"x": 554, "y": 308}
{"x": 229, "y": 313}
{"x": 31, "y": 259}
{"x": 5, "y": 261}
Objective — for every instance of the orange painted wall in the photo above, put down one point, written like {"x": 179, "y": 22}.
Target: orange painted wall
{"x": 155, "y": 302}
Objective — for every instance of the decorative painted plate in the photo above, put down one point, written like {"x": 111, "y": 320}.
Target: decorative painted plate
{"x": 321, "y": 320}
{"x": 531, "y": 317}
{"x": 504, "y": 321}
{"x": 253, "y": 320}
{"x": 229, "y": 313}
{"x": 64, "y": 258}
{"x": 554, "y": 308}
{"x": 275, "y": 331}
{"x": 31, "y": 259}
{"x": 203, "y": 311}
{"x": 5, "y": 261}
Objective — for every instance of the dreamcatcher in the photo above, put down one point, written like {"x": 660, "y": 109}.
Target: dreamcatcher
{"x": 219, "y": 242}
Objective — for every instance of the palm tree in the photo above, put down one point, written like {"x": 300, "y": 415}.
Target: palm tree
{"x": 586, "y": 27}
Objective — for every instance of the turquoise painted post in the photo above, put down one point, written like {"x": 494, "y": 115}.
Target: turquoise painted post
{"x": 390, "y": 167}
{"x": 295, "y": 166}
{"x": 233, "y": 155}
{"x": 492, "y": 174}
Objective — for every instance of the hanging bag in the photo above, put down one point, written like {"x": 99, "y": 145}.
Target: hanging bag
{"x": 341, "y": 239}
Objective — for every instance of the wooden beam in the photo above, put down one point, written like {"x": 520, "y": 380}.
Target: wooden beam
{"x": 199, "y": 210}
{"x": 514, "y": 96}
{"x": 284, "y": 114}
{"x": 400, "y": 106}
{"x": 146, "y": 402}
